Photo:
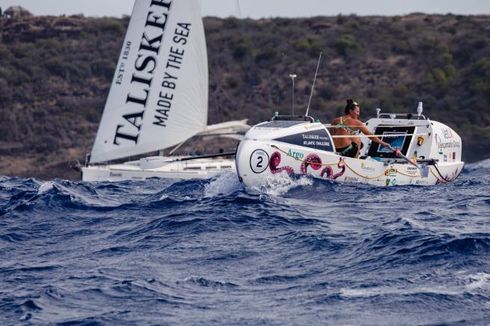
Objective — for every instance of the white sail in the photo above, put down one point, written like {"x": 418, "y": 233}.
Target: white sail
{"x": 159, "y": 94}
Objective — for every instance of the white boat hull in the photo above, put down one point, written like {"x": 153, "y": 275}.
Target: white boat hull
{"x": 259, "y": 162}
{"x": 158, "y": 167}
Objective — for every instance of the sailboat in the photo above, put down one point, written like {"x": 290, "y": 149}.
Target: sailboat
{"x": 159, "y": 99}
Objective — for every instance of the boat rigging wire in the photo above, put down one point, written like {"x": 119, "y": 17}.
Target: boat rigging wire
{"x": 313, "y": 86}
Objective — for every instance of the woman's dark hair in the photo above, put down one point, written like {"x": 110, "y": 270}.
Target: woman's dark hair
{"x": 351, "y": 104}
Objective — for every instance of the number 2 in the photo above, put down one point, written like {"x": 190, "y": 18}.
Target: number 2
{"x": 260, "y": 160}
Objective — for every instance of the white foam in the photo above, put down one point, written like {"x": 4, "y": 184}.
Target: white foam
{"x": 281, "y": 183}
{"x": 472, "y": 283}
{"x": 45, "y": 187}
{"x": 385, "y": 290}
{"x": 225, "y": 183}
{"x": 77, "y": 196}
{"x": 478, "y": 281}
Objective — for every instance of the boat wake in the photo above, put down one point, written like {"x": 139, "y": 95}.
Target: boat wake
{"x": 225, "y": 183}
{"x": 280, "y": 184}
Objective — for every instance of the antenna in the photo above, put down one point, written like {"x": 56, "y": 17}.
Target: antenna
{"x": 239, "y": 9}
{"x": 313, "y": 86}
{"x": 420, "y": 109}
{"x": 292, "y": 76}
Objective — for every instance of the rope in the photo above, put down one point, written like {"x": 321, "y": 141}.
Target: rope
{"x": 329, "y": 125}
{"x": 441, "y": 179}
{"x": 363, "y": 176}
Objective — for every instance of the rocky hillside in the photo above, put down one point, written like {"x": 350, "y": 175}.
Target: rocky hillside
{"x": 55, "y": 73}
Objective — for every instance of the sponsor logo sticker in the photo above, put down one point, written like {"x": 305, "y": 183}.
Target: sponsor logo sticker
{"x": 391, "y": 172}
{"x": 367, "y": 167}
{"x": 297, "y": 155}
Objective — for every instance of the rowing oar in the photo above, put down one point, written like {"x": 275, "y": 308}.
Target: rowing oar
{"x": 404, "y": 157}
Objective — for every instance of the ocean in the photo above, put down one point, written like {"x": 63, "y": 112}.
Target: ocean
{"x": 206, "y": 252}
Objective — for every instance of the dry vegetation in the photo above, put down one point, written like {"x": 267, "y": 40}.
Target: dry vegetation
{"x": 55, "y": 73}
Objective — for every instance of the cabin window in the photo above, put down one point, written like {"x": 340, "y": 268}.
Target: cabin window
{"x": 317, "y": 139}
{"x": 192, "y": 168}
{"x": 280, "y": 124}
{"x": 397, "y": 137}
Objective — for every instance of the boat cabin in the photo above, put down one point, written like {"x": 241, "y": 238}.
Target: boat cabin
{"x": 417, "y": 137}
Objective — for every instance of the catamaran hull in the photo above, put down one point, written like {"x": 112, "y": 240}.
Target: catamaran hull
{"x": 136, "y": 170}
{"x": 259, "y": 162}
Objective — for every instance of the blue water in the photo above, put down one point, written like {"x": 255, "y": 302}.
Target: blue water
{"x": 206, "y": 252}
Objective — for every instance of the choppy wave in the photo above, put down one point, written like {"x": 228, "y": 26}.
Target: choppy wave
{"x": 300, "y": 251}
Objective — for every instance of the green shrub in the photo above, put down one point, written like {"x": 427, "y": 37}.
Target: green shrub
{"x": 311, "y": 45}
{"x": 265, "y": 57}
{"x": 327, "y": 92}
{"x": 5, "y": 91}
{"x": 242, "y": 49}
{"x": 103, "y": 67}
{"x": 347, "y": 44}
{"x": 479, "y": 82}
{"x": 232, "y": 82}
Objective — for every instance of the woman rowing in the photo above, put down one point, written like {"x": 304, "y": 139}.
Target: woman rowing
{"x": 349, "y": 124}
